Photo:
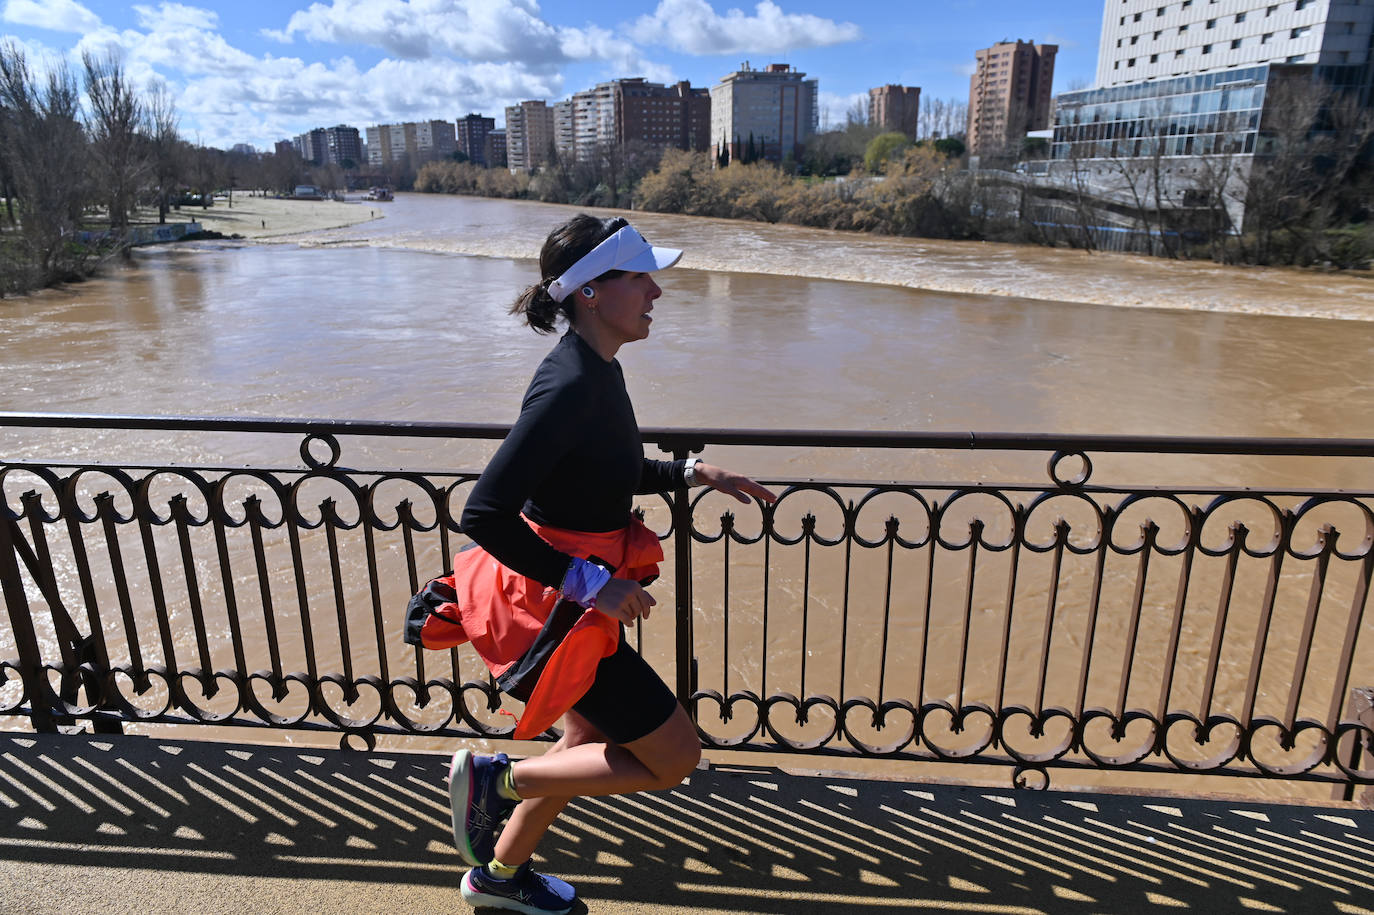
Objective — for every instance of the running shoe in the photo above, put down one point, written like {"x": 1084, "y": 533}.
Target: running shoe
{"x": 478, "y": 808}
{"x": 529, "y": 892}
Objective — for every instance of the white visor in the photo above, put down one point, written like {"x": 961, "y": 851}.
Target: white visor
{"x": 625, "y": 250}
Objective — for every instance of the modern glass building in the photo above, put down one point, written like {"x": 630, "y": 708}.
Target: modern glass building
{"x": 1191, "y": 115}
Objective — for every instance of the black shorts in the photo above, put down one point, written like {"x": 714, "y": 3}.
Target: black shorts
{"x": 628, "y": 699}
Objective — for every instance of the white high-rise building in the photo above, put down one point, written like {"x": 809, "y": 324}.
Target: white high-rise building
{"x": 775, "y": 107}
{"x": 1155, "y": 39}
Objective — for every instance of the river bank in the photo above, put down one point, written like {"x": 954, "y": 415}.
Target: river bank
{"x": 256, "y": 218}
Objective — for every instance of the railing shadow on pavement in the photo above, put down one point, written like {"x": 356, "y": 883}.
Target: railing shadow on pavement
{"x": 731, "y": 839}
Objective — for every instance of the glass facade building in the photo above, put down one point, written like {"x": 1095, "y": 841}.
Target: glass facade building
{"x": 1203, "y": 114}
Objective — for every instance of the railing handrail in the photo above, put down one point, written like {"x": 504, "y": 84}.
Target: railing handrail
{"x": 674, "y": 437}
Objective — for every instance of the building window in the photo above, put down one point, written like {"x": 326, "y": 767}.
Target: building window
{"x": 1186, "y": 4}
{"x": 1118, "y": 42}
{"x": 1157, "y": 34}
{"x": 1206, "y": 49}
{"x": 1269, "y": 10}
{"x": 1154, "y": 58}
{"x": 1300, "y": 31}
{"x": 1301, "y": 4}
{"x": 1235, "y": 43}
{"x": 1178, "y": 53}
{"x": 1134, "y": 39}
{"x": 1240, "y": 17}
{"x": 1136, "y": 17}
{"x": 1131, "y": 62}
{"x": 1211, "y": 23}
{"x": 1264, "y": 39}
{"x": 1183, "y": 28}
{"x": 1160, "y": 11}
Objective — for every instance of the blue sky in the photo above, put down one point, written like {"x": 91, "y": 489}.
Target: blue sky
{"x": 255, "y": 71}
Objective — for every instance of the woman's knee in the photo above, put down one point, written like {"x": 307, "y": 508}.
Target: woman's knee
{"x": 671, "y": 751}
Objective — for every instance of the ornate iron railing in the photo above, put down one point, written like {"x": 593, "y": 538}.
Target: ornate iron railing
{"x": 1047, "y": 621}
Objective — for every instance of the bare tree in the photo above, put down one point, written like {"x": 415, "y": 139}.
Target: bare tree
{"x": 47, "y": 153}
{"x": 1313, "y": 142}
{"x": 163, "y": 142}
{"x": 942, "y": 118}
{"x": 115, "y": 126}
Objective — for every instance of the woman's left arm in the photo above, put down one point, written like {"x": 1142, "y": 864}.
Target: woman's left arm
{"x": 731, "y": 483}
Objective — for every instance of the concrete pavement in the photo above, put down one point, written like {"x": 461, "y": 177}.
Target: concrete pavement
{"x": 141, "y": 824}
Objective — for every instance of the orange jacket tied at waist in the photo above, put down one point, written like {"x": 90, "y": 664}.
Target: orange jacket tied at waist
{"x": 503, "y": 612}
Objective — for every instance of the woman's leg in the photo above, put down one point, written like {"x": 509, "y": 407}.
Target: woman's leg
{"x": 533, "y": 816}
{"x": 584, "y": 764}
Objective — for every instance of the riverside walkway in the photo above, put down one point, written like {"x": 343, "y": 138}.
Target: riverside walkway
{"x": 113, "y": 824}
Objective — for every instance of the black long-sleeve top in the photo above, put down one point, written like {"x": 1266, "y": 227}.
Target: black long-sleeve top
{"x": 574, "y": 459}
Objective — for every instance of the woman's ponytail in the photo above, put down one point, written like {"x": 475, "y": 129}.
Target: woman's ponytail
{"x": 539, "y": 309}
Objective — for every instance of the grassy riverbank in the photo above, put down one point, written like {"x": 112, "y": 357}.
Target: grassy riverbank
{"x": 258, "y": 218}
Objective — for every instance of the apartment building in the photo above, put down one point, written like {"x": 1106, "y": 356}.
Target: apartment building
{"x": 1009, "y": 95}
{"x": 340, "y": 145}
{"x": 659, "y": 115}
{"x": 631, "y": 110}
{"x": 895, "y": 108}
{"x": 312, "y": 146}
{"x": 378, "y": 145}
{"x": 774, "y": 107}
{"x": 494, "y": 148}
{"x": 471, "y": 137}
{"x": 344, "y": 146}
{"x": 529, "y": 135}
{"x": 565, "y": 129}
{"x": 409, "y": 145}
{"x": 434, "y": 140}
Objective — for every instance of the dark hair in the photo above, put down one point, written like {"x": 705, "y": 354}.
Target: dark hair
{"x": 564, "y": 247}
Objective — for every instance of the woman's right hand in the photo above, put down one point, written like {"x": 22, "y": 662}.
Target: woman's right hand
{"x": 624, "y": 600}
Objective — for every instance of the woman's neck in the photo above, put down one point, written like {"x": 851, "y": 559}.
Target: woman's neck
{"x": 602, "y": 343}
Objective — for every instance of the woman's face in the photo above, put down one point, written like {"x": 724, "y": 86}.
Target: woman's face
{"x": 622, "y": 305}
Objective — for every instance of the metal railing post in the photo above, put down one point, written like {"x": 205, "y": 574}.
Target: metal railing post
{"x": 682, "y": 572}
{"x": 1361, "y": 709}
{"x": 21, "y": 624}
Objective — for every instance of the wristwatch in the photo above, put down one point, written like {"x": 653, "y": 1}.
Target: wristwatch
{"x": 689, "y": 471}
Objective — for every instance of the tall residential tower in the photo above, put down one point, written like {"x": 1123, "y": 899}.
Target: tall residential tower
{"x": 1009, "y": 95}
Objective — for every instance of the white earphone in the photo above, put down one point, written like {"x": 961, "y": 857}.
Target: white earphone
{"x": 589, "y": 292}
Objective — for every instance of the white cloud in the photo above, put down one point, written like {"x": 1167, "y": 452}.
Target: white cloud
{"x": 692, "y": 26}
{"x": 56, "y": 15}
{"x": 286, "y": 96}
{"x": 477, "y": 30}
{"x": 173, "y": 15}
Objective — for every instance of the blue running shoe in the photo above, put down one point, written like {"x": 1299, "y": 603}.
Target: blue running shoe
{"x": 527, "y": 892}
{"x": 478, "y": 808}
